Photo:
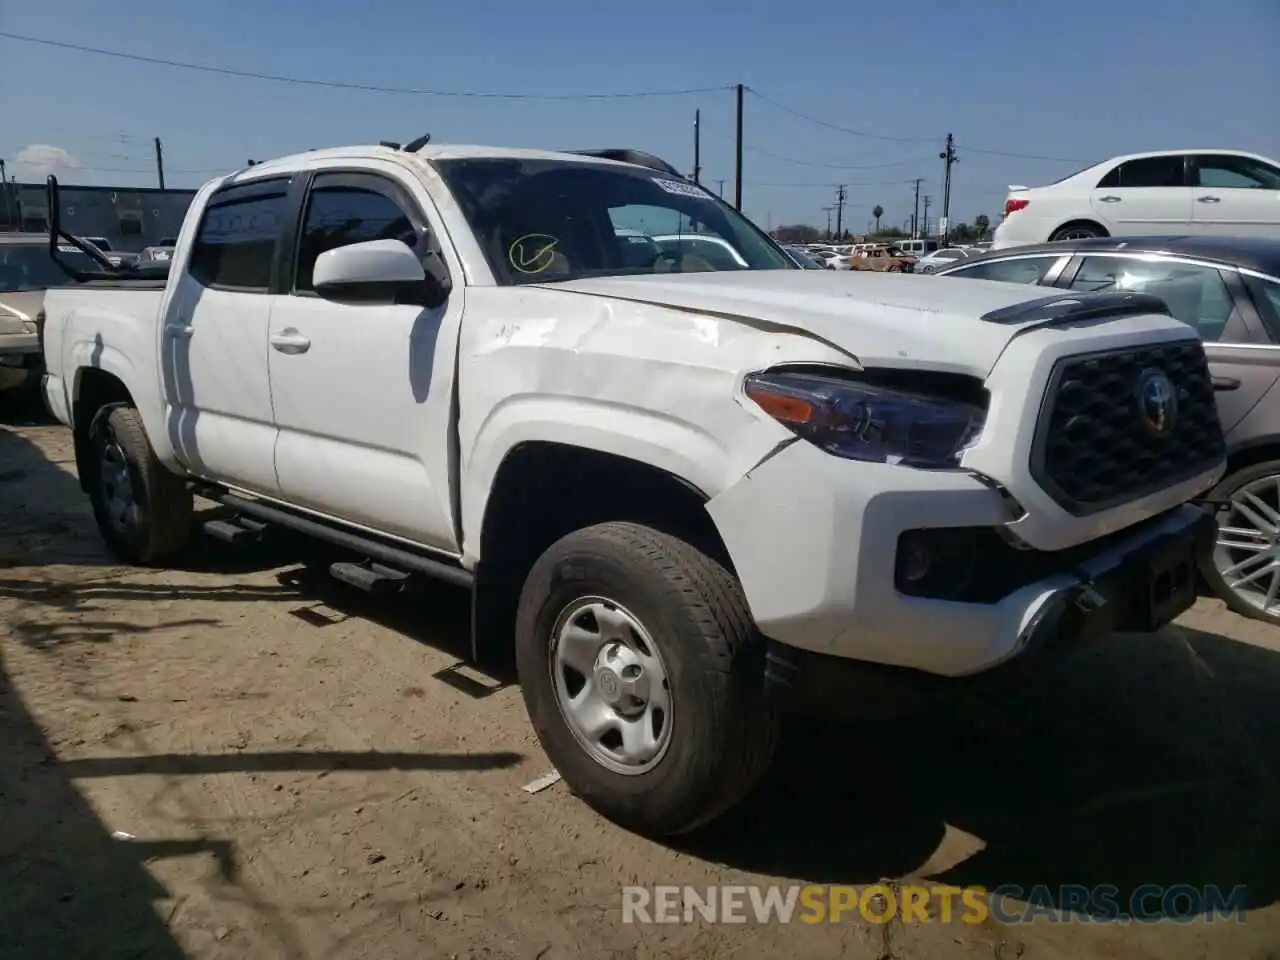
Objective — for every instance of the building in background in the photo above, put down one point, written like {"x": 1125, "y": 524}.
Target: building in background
{"x": 130, "y": 218}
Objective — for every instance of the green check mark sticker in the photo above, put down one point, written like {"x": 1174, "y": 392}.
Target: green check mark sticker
{"x": 532, "y": 253}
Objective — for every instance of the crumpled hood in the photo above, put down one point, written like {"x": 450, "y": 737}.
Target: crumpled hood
{"x": 881, "y": 319}
{"x": 15, "y": 308}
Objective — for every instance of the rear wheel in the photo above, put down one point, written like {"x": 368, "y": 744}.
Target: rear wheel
{"x": 1079, "y": 230}
{"x": 643, "y": 675}
{"x": 143, "y": 510}
{"x": 1243, "y": 569}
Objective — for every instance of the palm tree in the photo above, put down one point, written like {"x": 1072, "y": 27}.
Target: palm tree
{"x": 877, "y": 212}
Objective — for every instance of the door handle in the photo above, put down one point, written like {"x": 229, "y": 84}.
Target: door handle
{"x": 290, "y": 341}
{"x": 1109, "y": 199}
{"x": 178, "y": 330}
{"x": 1226, "y": 383}
{"x": 1208, "y": 200}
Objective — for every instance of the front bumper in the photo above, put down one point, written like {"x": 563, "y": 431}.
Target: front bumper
{"x": 814, "y": 540}
{"x": 1139, "y": 585}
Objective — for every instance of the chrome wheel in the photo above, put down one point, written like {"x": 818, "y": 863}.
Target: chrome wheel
{"x": 1247, "y": 553}
{"x": 1079, "y": 233}
{"x": 611, "y": 685}
{"x": 116, "y": 484}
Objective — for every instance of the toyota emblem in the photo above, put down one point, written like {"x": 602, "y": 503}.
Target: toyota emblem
{"x": 1157, "y": 402}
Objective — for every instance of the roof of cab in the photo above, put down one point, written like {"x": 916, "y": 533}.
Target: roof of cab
{"x": 432, "y": 151}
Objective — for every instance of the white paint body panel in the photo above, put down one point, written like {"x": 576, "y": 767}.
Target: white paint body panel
{"x": 359, "y": 425}
{"x": 1141, "y": 211}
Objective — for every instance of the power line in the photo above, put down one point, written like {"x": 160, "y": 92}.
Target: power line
{"x": 835, "y": 126}
{"x": 880, "y": 136}
{"x": 829, "y": 186}
{"x": 341, "y": 85}
{"x": 829, "y": 165}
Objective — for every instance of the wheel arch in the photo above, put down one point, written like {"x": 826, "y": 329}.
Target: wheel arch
{"x": 543, "y": 490}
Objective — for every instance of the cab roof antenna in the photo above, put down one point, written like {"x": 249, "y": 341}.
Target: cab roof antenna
{"x": 416, "y": 144}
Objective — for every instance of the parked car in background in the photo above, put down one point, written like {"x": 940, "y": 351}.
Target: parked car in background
{"x": 834, "y": 260}
{"x": 149, "y": 256}
{"x": 943, "y": 258}
{"x": 26, "y": 271}
{"x": 1199, "y": 192}
{"x": 883, "y": 259}
{"x": 1229, "y": 291}
{"x": 115, "y": 257}
{"x": 918, "y": 247}
{"x": 802, "y": 259}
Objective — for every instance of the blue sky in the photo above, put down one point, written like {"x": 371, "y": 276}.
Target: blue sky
{"x": 1080, "y": 81}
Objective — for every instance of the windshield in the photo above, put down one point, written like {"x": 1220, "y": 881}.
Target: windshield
{"x": 545, "y": 220}
{"x": 29, "y": 267}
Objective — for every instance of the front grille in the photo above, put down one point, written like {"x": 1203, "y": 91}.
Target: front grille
{"x": 1092, "y": 448}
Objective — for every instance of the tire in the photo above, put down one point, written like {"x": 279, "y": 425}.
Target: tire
{"x": 893, "y": 268}
{"x": 157, "y": 525}
{"x": 1081, "y": 230}
{"x": 929, "y": 268}
{"x": 1230, "y": 488}
{"x": 721, "y": 736}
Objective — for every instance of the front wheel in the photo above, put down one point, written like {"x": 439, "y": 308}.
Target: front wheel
{"x": 1243, "y": 570}
{"x": 643, "y": 674}
{"x": 143, "y": 510}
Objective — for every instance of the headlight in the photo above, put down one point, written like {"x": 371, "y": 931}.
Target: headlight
{"x": 866, "y": 421}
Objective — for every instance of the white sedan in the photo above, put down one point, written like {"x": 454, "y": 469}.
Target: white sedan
{"x": 1196, "y": 192}
{"x": 944, "y": 258}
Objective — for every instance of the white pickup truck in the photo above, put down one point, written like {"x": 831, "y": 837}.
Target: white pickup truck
{"x": 690, "y": 498}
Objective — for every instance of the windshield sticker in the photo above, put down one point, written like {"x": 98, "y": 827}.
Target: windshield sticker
{"x": 533, "y": 253}
{"x": 682, "y": 188}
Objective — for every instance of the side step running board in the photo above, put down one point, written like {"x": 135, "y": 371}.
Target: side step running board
{"x": 235, "y": 530}
{"x": 391, "y": 559}
{"x": 370, "y": 577}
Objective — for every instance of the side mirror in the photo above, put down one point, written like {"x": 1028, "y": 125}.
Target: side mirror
{"x": 377, "y": 271}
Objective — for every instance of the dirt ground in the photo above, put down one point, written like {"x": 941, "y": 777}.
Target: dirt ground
{"x": 241, "y": 760}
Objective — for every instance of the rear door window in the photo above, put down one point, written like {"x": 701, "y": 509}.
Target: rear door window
{"x": 1196, "y": 294}
{"x": 1147, "y": 172}
{"x": 235, "y": 244}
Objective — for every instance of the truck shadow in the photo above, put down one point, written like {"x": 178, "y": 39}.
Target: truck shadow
{"x": 46, "y": 519}
{"x": 1149, "y": 760}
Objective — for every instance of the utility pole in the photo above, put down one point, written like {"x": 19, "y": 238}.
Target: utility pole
{"x": 949, "y": 158}
{"x": 8, "y": 196}
{"x": 841, "y": 196}
{"x": 924, "y": 232}
{"x": 160, "y": 163}
{"x": 915, "y": 210}
{"x": 737, "y": 200}
{"x": 697, "y": 146}
{"x": 720, "y": 187}
{"x": 827, "y": 211}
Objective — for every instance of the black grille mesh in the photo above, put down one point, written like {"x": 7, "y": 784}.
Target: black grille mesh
{"x": 1092, "y": 450}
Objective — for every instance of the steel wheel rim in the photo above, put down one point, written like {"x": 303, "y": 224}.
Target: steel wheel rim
{"x": 116, "y": 485}
{"x": 1077, "y": 235}
{"x": 1247, "y": 552}
{"x": 611, "y": 685}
